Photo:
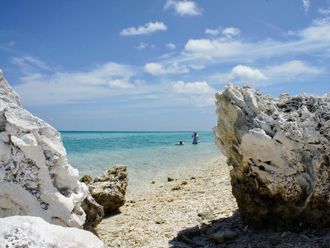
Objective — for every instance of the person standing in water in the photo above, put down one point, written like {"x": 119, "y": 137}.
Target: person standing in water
{"x": 195, "y": 138}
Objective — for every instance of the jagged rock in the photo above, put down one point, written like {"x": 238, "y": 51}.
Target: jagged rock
{"x": 35, "y": 177}
{"x": 34, "y": 232}
{"x": 109, "y": 189}
{"x": 94, "y": 213}
{"x": 279, "y": 150}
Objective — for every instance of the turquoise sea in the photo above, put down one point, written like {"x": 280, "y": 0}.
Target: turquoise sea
{"x": 147, "y": 154}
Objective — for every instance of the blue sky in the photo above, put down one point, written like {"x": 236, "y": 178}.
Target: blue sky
{"x": 156, "y": 64}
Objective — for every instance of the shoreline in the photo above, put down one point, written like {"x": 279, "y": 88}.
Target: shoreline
{"x": 196, "y": 209}
{"x": 159, "y": 177}
{"x": 153, "y": 216}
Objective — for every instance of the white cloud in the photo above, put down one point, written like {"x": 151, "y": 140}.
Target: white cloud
{"x": 183, "y": 7}
{"x": 214, "y": 32}
{"x": 166, "y": 55}
{"x": 291, "y": 69}
{"x": 198, "y": 87}
{"x": 314, "y": 40}
{"x": 213, "y": 48}
{"x": 319, "y": 32}
{"x": 246, "y": 74}
{"x": 114, "y": 81}
{"x": 227, "y": 32}
{"x": 170, "y": 46}
{"x": 306, "y": 5}
{"x": 7, "y": 46}
{"x": 291, "y": 33}
{"x": 61, "y": 87}
{"x": 120, "y": 84}
{"x": 159, "y": 69}
{"x": 198, "y": 93}
{"x": 324, "y": 11}
{"x": 147, "y": 28}
{"x": 30, "y": 64}
{"x": 142, "y": 46}
{"x": 199, "y": 45}
{"x": 197, "y": 66}
{"x": 231, "y": 31}
{"x": 154, "y": 68}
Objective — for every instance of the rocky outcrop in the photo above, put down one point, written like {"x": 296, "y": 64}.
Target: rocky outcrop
{"x": 94, "y": 213}
{"x": 279, "y": 150}
{"x": 35, "y": 177}
{"x": 109, "y": 189}
{"x": 34, "y": 232}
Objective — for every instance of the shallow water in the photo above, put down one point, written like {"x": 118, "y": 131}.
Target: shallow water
{"x": 147, "y": 154}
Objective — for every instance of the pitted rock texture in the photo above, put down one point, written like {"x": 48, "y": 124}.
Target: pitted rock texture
{"x": 35, "y": 177}
{"x": 34, "y": 232}
{"x": 279, "y": 150}
{"x": 109, "y": 189}
{"x": 94, "y": 213}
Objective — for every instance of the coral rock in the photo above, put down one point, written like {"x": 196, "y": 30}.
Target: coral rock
{"x": 94, "y": 213}
{"x": 34, "y": 232}
{"x": 279, "y": 150}
{"x": 35, "y": 177}
{"x": 109, "y": 189}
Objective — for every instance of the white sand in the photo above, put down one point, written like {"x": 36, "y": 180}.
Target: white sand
{"x": 154, "y": 216}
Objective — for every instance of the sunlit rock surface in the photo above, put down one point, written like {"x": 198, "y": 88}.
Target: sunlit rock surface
{"x": 279, "y": 150}
{"x": 34, "y": 232}
{"x": 109, "y": 189}
{"x": 35, "y": 177}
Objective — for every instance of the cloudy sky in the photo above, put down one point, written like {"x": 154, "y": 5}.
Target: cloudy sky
{"x": 156, "y": 64}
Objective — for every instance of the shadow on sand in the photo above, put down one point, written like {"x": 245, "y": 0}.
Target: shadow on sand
{"x": 231, "y": 232}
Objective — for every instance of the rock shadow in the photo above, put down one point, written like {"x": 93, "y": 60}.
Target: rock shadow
{"x": 232, "y": 232}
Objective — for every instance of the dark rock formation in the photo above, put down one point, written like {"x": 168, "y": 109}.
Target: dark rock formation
{"x": 94, "y": 213}
{"x": 279, "y": 150}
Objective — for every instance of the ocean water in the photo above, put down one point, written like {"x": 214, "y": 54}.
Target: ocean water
{"x": 147, "y": 154}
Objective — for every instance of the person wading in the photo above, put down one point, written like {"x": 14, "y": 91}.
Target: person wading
{"x": 195, "y": 138}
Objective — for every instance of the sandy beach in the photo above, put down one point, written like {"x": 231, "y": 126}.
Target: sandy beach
{"x": 165, "y": 124}
{"x": 192, "y": 209}
{"x": 155, "y": 216}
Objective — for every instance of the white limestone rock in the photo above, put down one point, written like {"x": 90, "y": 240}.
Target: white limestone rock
{"x": 34, "y": 232}
{"x": 35, "y": 177}
{"x": 280, "y": 152}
